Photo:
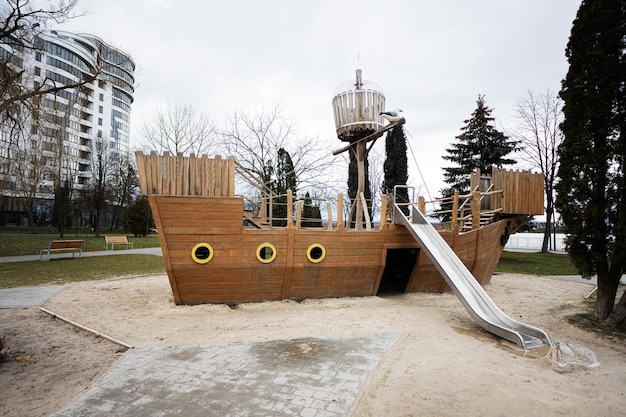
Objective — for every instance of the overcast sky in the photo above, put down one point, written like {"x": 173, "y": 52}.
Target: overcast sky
{"x": 432, "y": 59}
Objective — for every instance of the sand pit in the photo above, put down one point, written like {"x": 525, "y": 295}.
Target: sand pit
{"x": 444, "y": 365}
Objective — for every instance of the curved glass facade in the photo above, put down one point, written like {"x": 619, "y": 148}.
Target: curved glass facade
{"x": 66, "y": 125}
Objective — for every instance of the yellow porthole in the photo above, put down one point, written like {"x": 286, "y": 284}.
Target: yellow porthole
{"x": 316, "y": 253}
{"x": 202, "y": 253}
{"x": 266, "y": 253}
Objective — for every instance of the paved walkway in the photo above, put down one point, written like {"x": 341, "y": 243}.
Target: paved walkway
{"x": 25, "y": 297}
{"x": 314, "y": 377}
{"x": 147, "y": 251}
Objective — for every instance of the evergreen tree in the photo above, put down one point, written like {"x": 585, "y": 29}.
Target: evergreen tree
{"x": 396, "y": 166}
{"x": 139, "y": 217}
{"x": 61, "y": 215}
{"x": 311, "y": 214}
{"x": 479, "y": 146}
{"x": 284, "y": 179}
{"x": 591, "y": 192}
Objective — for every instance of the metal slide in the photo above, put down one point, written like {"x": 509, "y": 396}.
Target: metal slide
{"x": 467, "y": 289}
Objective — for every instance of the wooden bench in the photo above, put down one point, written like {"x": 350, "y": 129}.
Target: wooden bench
{"x": 63, "y": 246}
{"x": 117, "y": 240}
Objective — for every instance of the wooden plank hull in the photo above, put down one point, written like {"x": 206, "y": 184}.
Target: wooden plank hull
{"x": 353, "y": 264}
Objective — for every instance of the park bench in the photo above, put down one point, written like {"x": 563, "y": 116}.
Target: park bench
{"x": 117, "y": 240}
{"x": 56, "y": 246}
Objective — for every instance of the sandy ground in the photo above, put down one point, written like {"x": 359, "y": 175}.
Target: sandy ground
{"x": 445, "y": 365}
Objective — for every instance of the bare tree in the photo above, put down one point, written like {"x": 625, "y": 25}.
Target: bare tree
{"x": 179, "y": 129}
{"x": 24, "y": 165}
{"x": 537, "y": 128}
{"x": 124, "y": 185}
{"x": 255, "y": 140}
{"x": 21, "y": 23}
{"x": 97, "y": 192}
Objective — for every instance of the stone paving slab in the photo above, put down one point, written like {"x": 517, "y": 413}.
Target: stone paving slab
{"x": 26, "y": 297}
{"x": 308, "y": 377}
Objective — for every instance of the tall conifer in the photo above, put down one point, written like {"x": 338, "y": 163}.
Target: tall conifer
{"x": 591, "y": 192}
{"x": 479, "y": 146}
{"x": 396, "y": 166}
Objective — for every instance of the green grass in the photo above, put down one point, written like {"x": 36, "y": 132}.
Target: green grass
{"x": 28, "y": 243}
{"x": 536, "y": 263}
{"x": 63, "y": 270}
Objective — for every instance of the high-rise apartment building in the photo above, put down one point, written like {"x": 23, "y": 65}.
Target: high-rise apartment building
{"x": 62, "y": 128}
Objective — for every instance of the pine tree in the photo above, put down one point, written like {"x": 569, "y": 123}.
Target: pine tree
{"x": 285, "y": 179}
{"x": 479, "y": 146}
{"x": 396, "y": 166}
{"x": 591, "y": 192}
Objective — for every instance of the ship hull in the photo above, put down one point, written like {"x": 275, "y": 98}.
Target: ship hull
{"x": 354, "y": 262}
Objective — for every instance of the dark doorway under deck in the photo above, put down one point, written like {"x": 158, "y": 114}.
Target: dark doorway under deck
{"x": 398, "y": 269}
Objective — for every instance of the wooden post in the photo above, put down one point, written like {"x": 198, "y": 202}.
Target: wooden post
{"x": 366, "y": 214}
{"x": 263, "y": 209}
{"x": 179, "y": 174}
{"x": 475, "y": 209}
{"x": 421, "y": 204}
{"x": 455, "y": 209}
{"x": 290, "y": 224}
{"x": 360, "y": 158}
{"x": 206, "y": 173}
{"x": 329, "y": 214}
{"x": 192, "y": 174}
{"x": 298, "y": 214}
{"x": 340, "y": 212}
{"x": 383, "y": 210}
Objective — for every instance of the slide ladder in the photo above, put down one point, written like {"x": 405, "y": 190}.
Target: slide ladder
{"x": 471, "y": 294}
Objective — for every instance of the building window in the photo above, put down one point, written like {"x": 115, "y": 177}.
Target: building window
{"x": 101, "y": 97}
{"x": 100, "y": 109}
{"x": 99, "y": 121}
{"x": 37, "y": 71}
{"x": 38, "y": 56}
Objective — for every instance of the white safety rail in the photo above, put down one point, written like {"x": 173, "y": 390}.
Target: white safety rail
{"x": 464, "y": 285}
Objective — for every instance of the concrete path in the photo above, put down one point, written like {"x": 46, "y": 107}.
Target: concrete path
{"x": 309, "y": 377}
{"x": 26, "y": 297}
{"x": 146, "y": 251}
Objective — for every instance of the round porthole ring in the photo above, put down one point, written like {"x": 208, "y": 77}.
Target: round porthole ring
{"x": 201, "y": 260}
{"x": 263, "y": 246}
{"x": 311, "y": 248}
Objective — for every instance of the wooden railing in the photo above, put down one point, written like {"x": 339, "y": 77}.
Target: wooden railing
{"x": 466, "y": 210}
{"x": 264, "y": 214}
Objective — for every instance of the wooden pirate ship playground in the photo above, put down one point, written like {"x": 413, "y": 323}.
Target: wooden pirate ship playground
{"x": 218, "y": 251}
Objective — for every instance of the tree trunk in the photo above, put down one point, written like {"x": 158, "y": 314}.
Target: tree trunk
{"x": 547, "y": 233}
{"x": 607, "y": 290}
{"x": 619, "y": 313}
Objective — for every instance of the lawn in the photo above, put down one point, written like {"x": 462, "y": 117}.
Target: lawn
{"x": 26, "y": 242}
{"x": 63, "y": 270}
{"x": 536, "y": 263}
